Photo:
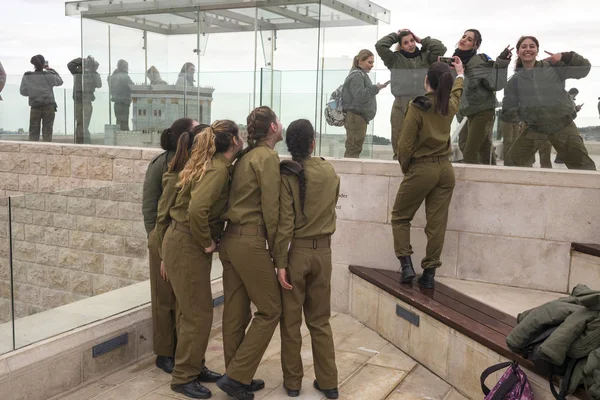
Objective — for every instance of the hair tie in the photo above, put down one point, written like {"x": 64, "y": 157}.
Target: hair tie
{"x": 168, "y": 131}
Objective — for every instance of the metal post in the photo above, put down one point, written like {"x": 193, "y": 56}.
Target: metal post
{"x": 109, "y": 66}
{"x": 145, "y": 57}
{"x": 65, "y": 107}
{"x": 255, "y": 56}
{"x": 319, "y": 95}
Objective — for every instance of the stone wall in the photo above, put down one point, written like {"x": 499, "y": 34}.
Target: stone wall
{"x": 72, "y": 245}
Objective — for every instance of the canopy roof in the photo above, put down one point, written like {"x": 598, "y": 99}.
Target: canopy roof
{"x": 181, "y": 17}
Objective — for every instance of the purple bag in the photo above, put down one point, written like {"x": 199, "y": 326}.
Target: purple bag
{"x": 512, "y": 386}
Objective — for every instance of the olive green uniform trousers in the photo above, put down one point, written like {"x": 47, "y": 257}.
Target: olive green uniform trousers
{"x": 309, "y": 272}
{"x": 83, "y": 116}
{"x": 397, "y": 120}
{"x": 356, "y": 132}
{"x": 567, "y": 142}
{"x": 510, "y": 133}
{"x": 37, "y": 116}
{"x": 475, "y": 139}
{"x": 188, "y": 267}
{"x": 432, "y": 182}
{"x": 163, "y": 304}
{"x": 248, "y": 276}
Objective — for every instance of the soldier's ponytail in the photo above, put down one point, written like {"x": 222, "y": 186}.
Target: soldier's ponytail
{"x": 441, "y": 80}
{"x": 299, "y": 137}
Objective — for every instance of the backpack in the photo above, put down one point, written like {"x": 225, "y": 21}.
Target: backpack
{"x": 513, "y": 385}
{"x": 334, "y": 113}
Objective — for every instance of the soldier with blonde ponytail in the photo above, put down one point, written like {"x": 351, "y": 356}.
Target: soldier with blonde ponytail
{"x": 188, "y": 246}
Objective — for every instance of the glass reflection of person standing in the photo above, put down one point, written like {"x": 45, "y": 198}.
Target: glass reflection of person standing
{"x": 120, "y": 88}
{"x": 358, "y": 98}
{"x": 483, "y": 77}
{"x": 408, "y": 66}
{"x": 536, "y": 95}
{"x": 186, "y": 76}
{"x": 85, "y": 82}
{"x": 423, "y": 153}
{"x": 39, "y": 87}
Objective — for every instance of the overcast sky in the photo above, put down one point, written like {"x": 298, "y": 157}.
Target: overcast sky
{"x": 40, "y": 26}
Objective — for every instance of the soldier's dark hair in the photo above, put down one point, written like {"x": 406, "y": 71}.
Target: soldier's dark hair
{"x": 478, "y": 38}
{"x": 519, "y": 63}
{"x": 361, "y": 56}
{"x": 298, "y": 137}
{"x": 38, "y": 62}
{"x": 214, "y": 139}
{"x": 441, "y": 80}
{"x": 184, "y": 147}
{"x": 170, "y": 136}
{"x": 258, "y": 124}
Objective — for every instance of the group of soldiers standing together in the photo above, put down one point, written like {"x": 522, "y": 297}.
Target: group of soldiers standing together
{"x": 535, "y": 105}
{"x": 271, "y": 223}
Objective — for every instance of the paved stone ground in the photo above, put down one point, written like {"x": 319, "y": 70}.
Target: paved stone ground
{"x": 370, "y": 368}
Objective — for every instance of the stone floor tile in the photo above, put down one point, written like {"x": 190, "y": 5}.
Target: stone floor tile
{"x": 392, "y": 357}
{"x": 343, "y": 326}
{"x": 348, "y": 363}
{"x": 371, "y": 382}
{"x": 364, "y": 341}
{"x": 269, "y": 371}
{"x": 421, "y": 384}
{"x": 123, "y": 375}
{"x": 86, "y": 392}
{"x": 157, "y": 396}
{"x": 132, "y": 389}
{"x": 455, "y": 395}
{"x": 214, "y": 350}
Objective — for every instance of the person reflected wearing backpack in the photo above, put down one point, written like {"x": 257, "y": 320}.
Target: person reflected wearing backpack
{"x": 360, "y": 105}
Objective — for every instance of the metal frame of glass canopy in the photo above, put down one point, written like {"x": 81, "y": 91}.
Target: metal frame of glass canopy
{"x": 179, "y": 17}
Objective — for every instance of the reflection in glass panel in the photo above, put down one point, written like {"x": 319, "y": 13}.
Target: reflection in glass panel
{"x": 6, "y": 286}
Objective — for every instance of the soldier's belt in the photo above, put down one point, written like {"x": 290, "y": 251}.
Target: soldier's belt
{"x": 434, "y": 159}
{"x": 180, "y": 227}
{"x": 312, "y": 243}
{"x": 246, "y": 230}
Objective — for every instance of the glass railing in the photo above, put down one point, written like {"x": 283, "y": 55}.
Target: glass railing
{"x": 292, "y": 94}
{"x": 71, "y": 258}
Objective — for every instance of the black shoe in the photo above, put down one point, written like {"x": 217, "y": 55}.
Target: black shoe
{"x": 165, "y": 363}
{"x": 408, "y": 272}
{"x": 194, "y": 389}
{"x": 558, "y": 160}
{"x": 329, "y": 393}
{"x": 238, "y": 390}
{"x": 256, "y": 385}
{"x": 426, "y": 280}
{"x": 208, "y": 376}
{"x": 292, "y": 392}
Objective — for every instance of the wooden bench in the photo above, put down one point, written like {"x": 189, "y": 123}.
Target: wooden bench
{"x": 474, "y": 319}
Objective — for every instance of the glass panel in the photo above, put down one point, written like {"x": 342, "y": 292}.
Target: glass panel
{"x": 78, "y": 256}
{"x": 6, "y": 287}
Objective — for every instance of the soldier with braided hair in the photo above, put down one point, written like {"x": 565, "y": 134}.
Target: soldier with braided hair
{"x": 308, "y": 196}
{"x": 245, "y": 251}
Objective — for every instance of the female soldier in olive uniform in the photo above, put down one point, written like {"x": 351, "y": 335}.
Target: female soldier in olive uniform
{"x": 360, "y": 105}
{"x": 162, "y": 298}
{"x": 483, "y": 77}
{"x": 408, "y": 66}
{"x": 309, "y": 193}
{"x": 188, "y": 247}
{"x": 536, "y": 95}
{"x": 423, "y": 153}
{"x": 245, "y": 251}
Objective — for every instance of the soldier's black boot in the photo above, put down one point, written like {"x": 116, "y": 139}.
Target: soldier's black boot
{"x": 408, "y": 272}
{"x": 193, "y": 389}
{"x": 329, "y": 393}
{"x": 236, "y": 389}
{"x": 427, "y": 279}
{"x": 165, "y": 363}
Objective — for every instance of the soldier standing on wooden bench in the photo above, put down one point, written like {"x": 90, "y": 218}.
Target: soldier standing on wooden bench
{"x": 423, "y": 152}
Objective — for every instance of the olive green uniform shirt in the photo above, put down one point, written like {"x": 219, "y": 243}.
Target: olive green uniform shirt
{"x": 199, "y": 205}
{"x": 318, "y": 218}
{"x": 167, "y": 200}
{"x": 254, "y": 195}
{"x": 153, "y": 188}
{"x": 426, "y": 133}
